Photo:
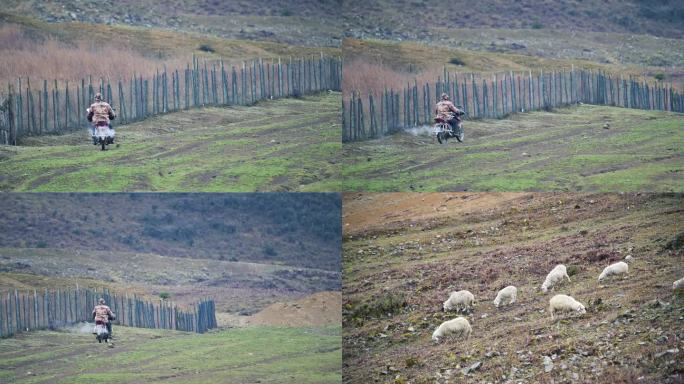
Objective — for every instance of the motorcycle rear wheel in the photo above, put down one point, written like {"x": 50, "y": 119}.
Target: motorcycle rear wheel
{"x": 459, "y": 135}
{"x": 441, "y": 137}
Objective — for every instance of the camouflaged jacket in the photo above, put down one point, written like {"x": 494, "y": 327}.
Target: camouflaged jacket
{"x": 446, "y": 110}
{"x": 100, "y": 112}
{"x": 102, "y": 313}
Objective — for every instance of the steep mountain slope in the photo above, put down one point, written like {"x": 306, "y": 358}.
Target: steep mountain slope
{"x": 411, "y": 19}
{"x": 311, "y": 22}
{"x": 297, "y": 230}
{"x": 404, "y": 253}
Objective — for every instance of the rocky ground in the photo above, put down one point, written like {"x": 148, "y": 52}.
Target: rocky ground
{"x": 404, "y": 253}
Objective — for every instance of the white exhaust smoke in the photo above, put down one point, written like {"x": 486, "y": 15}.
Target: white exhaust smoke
{"x": 425, "y": 130}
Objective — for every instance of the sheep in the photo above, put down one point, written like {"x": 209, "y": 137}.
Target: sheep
{"x": 457, "y": 327}
{"x": 629, "y": 258}
{"x": 618, "y": 268}
{"x": 554, "y": 277}
{"x": 565, "y": 303}
{"x": 461, "y": 300}
{"x": 679, "y": 284}
{"x": 508, "y": 295}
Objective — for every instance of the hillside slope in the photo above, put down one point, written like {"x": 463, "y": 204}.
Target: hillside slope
{"x": 283, "y": 229}
{"x": 409, "y": 19}
{"x": 278, "y": 145}
{"x": 310, "y": 22}
{"x": 247, "y": 355}
{"x": 404, "y": 253}
{"x": 583, "y": 148}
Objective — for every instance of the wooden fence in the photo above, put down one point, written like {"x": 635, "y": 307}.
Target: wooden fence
{"x": 57, "y": 108}
{"x": 497, "y": 96}
{"x": 24, "y": 311}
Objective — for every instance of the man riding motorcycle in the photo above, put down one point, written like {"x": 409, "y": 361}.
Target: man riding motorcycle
{"x": 103, "y": 313}
{"x": 447, "y": 111}
{"x": 100, "y": 113}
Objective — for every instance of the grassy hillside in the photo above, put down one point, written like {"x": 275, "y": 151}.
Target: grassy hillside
{"x": 308, "y": 22}
{"x": 285, "y": 229}
{"x": 41, "y": 50}
{"x": 255, "y": 354}
{"x": 281, "y": 145}
{"x": 419, "y": 19}
{"x": 404, "y": 253}
{"x": 237, "y": 287}
{"x": 583, "y": 148}
{"x": 373, "y": 64}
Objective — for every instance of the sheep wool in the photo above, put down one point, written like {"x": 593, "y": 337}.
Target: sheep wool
{"x": 506, "y": 296}
{"x": 458, "y": 327}
{"x": 461, "y": 300}
{"x": 554, "y": 277}
{"x": 565, "y": 303}
{"x": 619, "y": 268}
{"x": 679, "y": 284}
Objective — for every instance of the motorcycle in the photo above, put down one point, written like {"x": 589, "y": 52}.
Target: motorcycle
{"x": 101, "y": 333}
{"x": 103, "y": 135}
{"x": 443, "y": 130}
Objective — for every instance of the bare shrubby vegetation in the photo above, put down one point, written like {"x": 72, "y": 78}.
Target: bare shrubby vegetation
{"x": 23, "y": 54}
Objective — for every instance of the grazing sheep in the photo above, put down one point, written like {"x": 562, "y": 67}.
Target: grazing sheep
{"x": 629, "y": 258}
{"x": 506, "y": 296}
{"x": 618, "y": 268}
{"x": 679, "y": 284}
{"x": 461, "y": 300}
{"x": 565, "y": 303}
{"x": 458, "y": 327}
{"x": 554, "y": 277}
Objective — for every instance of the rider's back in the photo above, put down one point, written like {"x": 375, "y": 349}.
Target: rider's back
{"x": 102, "y": 313}
{"x": 445, "y": 108}
{"x": 101, "y": 112}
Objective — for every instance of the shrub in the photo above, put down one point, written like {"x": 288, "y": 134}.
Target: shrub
{"x": 659, "y": 76}
{"x": 286, "y": 12}
{"x": 456, "y": 61}
{"x": 377, "y": 307}
{"x": 164, "y": 295}
{"x": 572, "y": 270}
{"x": 206, "y": 48}
{"x": 41, "y": 244}
{"x": 269, "y": 250}
{"x": 537, "y": 25}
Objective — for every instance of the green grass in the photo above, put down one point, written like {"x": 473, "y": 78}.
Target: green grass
{"x": 563, "y": 150}
{"x": 282, "y": 145}
{"x": 265, "y": 354}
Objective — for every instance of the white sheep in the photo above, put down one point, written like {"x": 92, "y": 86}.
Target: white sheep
{"x": 629, "y": 258}
{"x": 506, "y": 296}
{"x": 679, "y": 284}
{"x": 618, "y": 268}
{"x": 565, "y": 303}
{"x": 458, "y": 327}
{"x": 461, "y": 300}
{"x": 554, "y": 277}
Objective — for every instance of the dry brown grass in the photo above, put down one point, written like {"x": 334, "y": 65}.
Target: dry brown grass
{"x": 23, "y": 56}
{"x": 366, "y": 77}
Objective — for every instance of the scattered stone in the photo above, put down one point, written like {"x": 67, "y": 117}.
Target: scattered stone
{"x": 473, "y": 367}
{"x": 548, "y": 364}
{"x": 606, "y": 126}
{"x": 663, "y": 353}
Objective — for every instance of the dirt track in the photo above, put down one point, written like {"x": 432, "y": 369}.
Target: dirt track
{"x": 279, "y": 145}
{"x": 585, "y": 148}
